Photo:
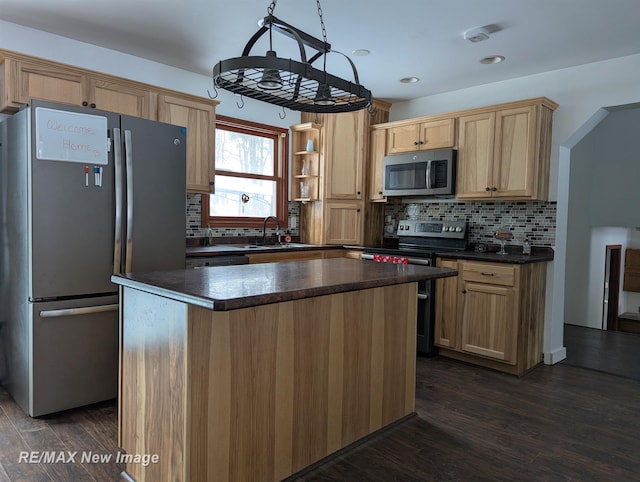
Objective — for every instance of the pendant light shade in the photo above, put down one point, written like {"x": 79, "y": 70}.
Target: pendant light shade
{"x": 323, "y": 96}
{"x": 294, "y": 84}
{"x": 270, "y": 77}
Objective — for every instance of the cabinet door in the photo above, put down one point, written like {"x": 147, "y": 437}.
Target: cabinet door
{"x": 344, "y": 154}
{"x": 36, "y": 80}
{"x": 475, "y": 156}
{"x": 343, "y": 222}
{"x": 489, "y": 324}
{"x": 122, "y": 97}
{"x": 376, "y": 173}
{"x": 199, "y": 119}
{"x": 515, "y": 153}
{"x": 437, "y": 134}
{"x": 446, "y": 321}
{"x": 403, "y": 139}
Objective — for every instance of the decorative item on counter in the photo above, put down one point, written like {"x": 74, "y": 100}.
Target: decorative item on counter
{"x": 413, "y": 211}
{"x": 526, "y": 246}
{"x": 310, "y": 145}
{"x": 503, "y": 234}
{"x": 208, "y": 236}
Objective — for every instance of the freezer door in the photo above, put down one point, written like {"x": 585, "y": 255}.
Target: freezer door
{"x": 155, "y": 194}
{"x": 74, "y": 351}
{"x": 72, "y": 224}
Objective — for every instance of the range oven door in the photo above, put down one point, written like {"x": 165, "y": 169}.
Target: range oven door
{"x": 425, "y": 319}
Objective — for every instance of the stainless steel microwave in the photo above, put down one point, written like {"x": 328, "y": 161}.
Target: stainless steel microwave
{"x": 424, "y": 173}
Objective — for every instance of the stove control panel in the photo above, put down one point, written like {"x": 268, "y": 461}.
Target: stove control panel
{"x": 433, "y": 229}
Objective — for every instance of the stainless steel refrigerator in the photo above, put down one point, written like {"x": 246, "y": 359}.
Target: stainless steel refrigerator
{"x": 83, "y": 194}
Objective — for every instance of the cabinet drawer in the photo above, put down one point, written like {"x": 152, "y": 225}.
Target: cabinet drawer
{"x": 497, "y": 274}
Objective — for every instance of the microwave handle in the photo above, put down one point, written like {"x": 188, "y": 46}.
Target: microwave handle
{"x": 428, "y": 174}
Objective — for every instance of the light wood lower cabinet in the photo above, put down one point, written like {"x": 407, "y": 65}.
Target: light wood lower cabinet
{"x": 493, "y": 315}
{"x": 274, "y": 257}
{"x": 259, "y": 393}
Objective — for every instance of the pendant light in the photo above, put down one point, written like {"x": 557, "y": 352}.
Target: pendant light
{"x": 293, "y": 84}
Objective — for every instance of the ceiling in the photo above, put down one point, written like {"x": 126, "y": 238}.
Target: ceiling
{"x": 421, "y": 38}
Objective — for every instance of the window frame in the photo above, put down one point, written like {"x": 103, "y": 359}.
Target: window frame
{"x": 280, "y": 136}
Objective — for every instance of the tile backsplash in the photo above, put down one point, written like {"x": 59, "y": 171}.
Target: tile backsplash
{"x": 536, "y": 219}
{"x": 194, "y": 230}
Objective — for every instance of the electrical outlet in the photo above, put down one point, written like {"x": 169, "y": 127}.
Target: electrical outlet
{"x": 294, "y": 222}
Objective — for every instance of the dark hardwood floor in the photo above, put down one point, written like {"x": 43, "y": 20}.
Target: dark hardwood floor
{"x": 613, "y": 352}
{"x": 560, "y": 423}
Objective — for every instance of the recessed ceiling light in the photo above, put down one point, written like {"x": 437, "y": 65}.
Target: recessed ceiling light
{"x": 492, "y": 59}
{"x": 361, "y": 52}
{"x": 409, "y": 80}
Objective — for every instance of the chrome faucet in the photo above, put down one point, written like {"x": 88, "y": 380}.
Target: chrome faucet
{"x": 264, "y": 229}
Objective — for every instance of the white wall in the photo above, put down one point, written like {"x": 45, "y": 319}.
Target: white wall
{"x": 60, "y": 49}
{"x": 580, "y": 92}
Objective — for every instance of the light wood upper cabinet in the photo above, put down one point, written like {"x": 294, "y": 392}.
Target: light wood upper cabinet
{"x": 344, "y": 154}
{"x": 475, "y": 155}
{"x": 438, "y": 134}
{"x": 199, "y": 118}
{"x": 48, "y": 81}
{"x": 378, "y": 140}
{"x": 505, "y": 153}
{"x": 24, "y": 80}
{"x": 122, "y": 97}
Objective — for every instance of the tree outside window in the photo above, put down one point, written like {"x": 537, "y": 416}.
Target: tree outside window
{"x": 251, "y": 175}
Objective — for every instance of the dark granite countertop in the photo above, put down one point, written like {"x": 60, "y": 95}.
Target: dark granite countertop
{"x": 247, "y": 248}
{"x": 225, "y": 288}
{"x": 538, "y": 255}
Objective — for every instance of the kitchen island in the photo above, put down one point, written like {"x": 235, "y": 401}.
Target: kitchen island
{"x": 255, "y": 372}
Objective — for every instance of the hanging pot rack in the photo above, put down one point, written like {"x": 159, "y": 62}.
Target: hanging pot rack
{"x": 288, "y": 83}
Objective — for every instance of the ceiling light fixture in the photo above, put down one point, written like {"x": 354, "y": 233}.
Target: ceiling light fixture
{"x": 409, "y": 80}
{"x": 288, "y": 83}
{"x": 477, "y": 34}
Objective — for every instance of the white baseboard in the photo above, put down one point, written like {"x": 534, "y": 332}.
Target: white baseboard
{"x": 555, "y": 356}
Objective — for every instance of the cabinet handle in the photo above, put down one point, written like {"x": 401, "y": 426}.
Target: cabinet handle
{"x": 357, "y": 210}
{"x": 380, "y": 192}
{"x": 416, "y": 143}
{"x": 85, "y": 103}
{"x": 93, "y": 106}
{"x": 464, "y": 292}
{"x": 421, "y": 142}
{"x": 358, "y": 193}
{"x": 487, "y": 189}
{"x": 494, "y": 188}
{"x": 488, "y": 274}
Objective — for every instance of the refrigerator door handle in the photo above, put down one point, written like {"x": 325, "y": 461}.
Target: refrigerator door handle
{"x": 129, "y": 183}
{"x": 117, "y": 242}
{"x": 78, "y": 311}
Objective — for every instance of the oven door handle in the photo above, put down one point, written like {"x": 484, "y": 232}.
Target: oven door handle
{"x": 423, "y": 262}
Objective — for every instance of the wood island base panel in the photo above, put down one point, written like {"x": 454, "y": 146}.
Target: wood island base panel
{"x": 260, "y": 393}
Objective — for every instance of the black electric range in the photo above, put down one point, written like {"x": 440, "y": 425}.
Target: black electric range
{"x": 418, "y": 243}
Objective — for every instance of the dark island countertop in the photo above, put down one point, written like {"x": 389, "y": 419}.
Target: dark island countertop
{"x": 224, "y": 288}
